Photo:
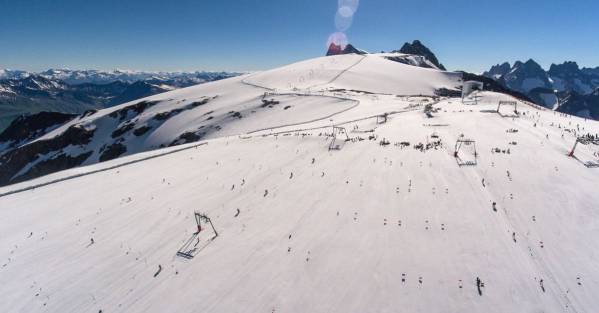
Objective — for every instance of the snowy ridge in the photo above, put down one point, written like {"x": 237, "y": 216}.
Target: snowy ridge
{"x": 354, "y": 71}
{"x": 392, "y": 220}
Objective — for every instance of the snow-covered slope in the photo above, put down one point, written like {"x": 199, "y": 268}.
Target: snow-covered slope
{"x": 390, "y": 222}
{"x": 354, "y": 72}
{"x": 293, "y": 94}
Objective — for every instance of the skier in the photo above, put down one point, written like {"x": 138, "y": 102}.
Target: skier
{"x": 159, "y": 270}
{"x": 541, "y": 284}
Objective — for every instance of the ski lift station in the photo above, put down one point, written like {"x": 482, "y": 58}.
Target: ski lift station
{"x": 471, "y": 86}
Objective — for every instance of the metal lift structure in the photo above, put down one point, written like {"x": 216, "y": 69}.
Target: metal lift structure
{"x": 510, "y": 104}
{"x": 382, "y": 119}
{"x": 192, "y": 246}
{"x": 465, "y": 152}
{"x": 338, "y": 138}
{"x": 586, "y": 141}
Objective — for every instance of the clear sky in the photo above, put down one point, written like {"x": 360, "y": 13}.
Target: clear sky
{"x": 261, "y": 34}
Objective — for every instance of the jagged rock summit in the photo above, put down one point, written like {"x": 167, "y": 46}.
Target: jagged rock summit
{"x": 417, "y": 48}
{"x": 497, "y": 71}
{"x": 335, "y": 49}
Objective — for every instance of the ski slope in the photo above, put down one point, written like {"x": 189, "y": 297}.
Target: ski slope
{"x": 389, "y": 223}
{"x": 295, "y": 94}
{"x": 354, "y": 72}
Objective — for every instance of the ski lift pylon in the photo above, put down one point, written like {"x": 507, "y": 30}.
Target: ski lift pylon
{"x": 508, "y": 103}
{"x": 338, "y": 132}
{"x": 382, "y": 119}
{"x": 585, "y": 141}
{"x": 458, "y": 147}
{"x": 189, "y": 248}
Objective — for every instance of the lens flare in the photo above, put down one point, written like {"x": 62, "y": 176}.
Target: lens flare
{"x": 348, "y": 7}
{"x": 345, "y": 11}
{"x": 338, "y": 38}
{"x": 343, "y": 23}
{"x": 344, "y": 18}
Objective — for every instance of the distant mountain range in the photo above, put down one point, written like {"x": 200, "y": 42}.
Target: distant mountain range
{"x": 75, "y": 91}
{"x": 564, "y": 87}
{"x": 75, "y": 77}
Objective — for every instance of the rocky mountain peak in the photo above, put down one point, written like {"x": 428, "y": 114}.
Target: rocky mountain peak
{"x": 568, "y": 68}
{"x": 417, "y": 48}
{"x": 497, "y": 71}
{"x": 335, "y": 49}
{"x": 532, "y": 65}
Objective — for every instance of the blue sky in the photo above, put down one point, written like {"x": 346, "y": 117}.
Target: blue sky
{"x": 261, "y": 34}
